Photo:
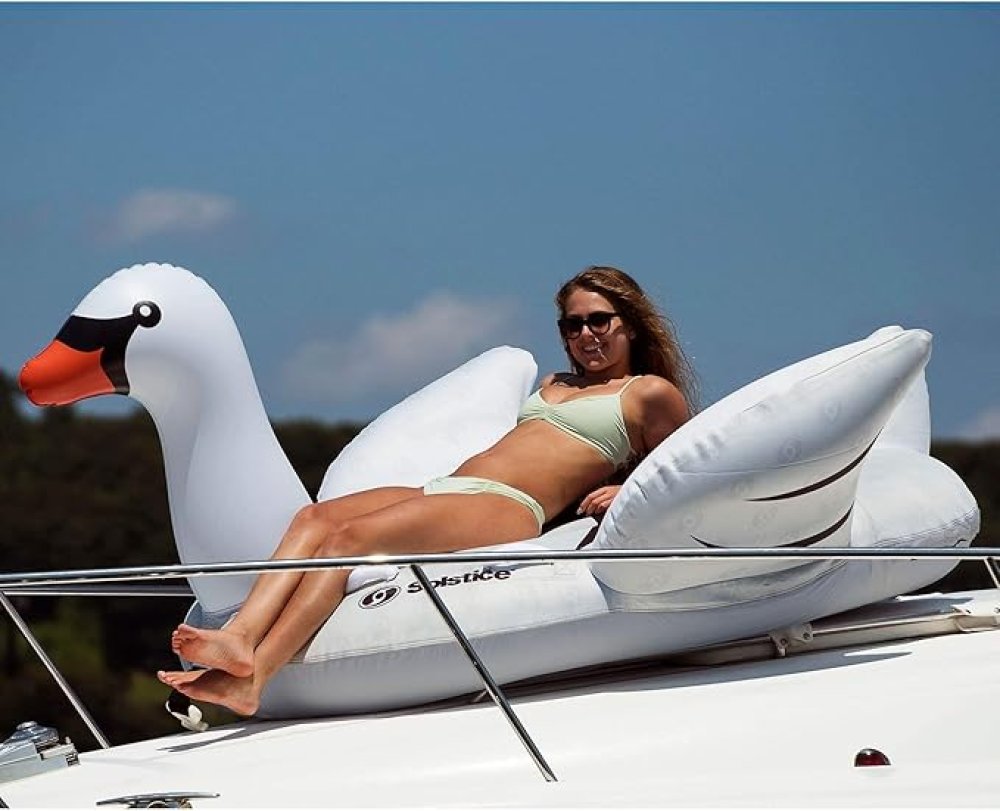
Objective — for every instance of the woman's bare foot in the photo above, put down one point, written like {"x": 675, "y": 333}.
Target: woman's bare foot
{"x": 240, "y": 695}
{"x": 175, "y": 677}
{"x": 219, "y": 650}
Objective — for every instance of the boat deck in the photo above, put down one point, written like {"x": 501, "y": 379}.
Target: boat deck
{"x": 772, "y": 732}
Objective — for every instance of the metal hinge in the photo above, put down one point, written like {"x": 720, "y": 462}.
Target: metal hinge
{"x": 166, "y": 799}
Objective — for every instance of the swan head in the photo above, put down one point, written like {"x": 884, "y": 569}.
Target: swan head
{"x": 137, "y": 333}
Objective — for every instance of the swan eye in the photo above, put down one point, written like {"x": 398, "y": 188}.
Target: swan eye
{"x": 146, "y": 313}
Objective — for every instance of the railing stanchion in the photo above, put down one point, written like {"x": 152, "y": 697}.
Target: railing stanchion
{"x": 993, "y": 567}
{"x": 22, "y": 626}
{"x": 491, "y": 686}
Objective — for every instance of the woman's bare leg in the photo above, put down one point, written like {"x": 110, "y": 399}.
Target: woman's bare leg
{"x": 438, "y": 523}
{"x": 232, "y": 648}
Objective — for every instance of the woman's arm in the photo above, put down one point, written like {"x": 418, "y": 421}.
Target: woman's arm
{"x": 661, "y": 410}
{"x": 596, "y": 503}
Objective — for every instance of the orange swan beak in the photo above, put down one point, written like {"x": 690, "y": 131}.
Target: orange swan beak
{"x": 60, "y": 375}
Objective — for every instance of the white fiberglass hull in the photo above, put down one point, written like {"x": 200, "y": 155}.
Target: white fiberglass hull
{"x": 779, "y": 732}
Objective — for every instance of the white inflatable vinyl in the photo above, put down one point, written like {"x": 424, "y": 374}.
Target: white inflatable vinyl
{"x": 832, "y": 450}
{"x": 231, "y": 489}
{"x": 775, "y": 464}
{"x": 530, "y": 620}
{"x": 446, "y": 422}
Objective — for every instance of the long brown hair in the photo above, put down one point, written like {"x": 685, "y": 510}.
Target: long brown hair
{"x": 655, "y": 348}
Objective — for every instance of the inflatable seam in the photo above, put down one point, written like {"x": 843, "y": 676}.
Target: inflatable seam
{"x": 964, "y": 522}
{"x": 866, "y": 350}
{"x": 796, "y": 463}
{"x": 627, "y": 604}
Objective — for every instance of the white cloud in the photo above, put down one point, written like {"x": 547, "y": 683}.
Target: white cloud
{"x": 169, "y": 211}
{"x": 985, "y": 425}
{"x": 398, "y": 353}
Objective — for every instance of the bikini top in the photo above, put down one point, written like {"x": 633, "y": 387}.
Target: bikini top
{"x": 596, "y": 420}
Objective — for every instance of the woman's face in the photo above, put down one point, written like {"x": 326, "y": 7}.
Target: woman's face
{"x": 595, "y": 334}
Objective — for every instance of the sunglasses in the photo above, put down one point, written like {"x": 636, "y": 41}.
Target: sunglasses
{"x": 572, "y": 325}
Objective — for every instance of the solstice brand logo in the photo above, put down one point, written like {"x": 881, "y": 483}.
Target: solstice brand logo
{"x": 475, "y": 576}
{"x": 383, "y": 595}
{"x": 379, "y": 597}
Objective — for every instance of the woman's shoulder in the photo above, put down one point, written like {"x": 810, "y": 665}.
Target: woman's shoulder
{"x": 659, "y": 394}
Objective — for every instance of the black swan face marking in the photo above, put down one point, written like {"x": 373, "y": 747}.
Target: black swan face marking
{"x": 87, "y": 357}
{"x": 147, "y": 314}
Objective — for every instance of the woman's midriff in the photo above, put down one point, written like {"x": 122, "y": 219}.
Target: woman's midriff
{"x": 553, "y": 468}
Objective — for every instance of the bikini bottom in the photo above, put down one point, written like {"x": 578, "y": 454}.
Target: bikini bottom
{"x": 471, "y": 485}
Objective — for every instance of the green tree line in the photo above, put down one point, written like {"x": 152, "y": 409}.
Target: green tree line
{"x": 81, "y": 492}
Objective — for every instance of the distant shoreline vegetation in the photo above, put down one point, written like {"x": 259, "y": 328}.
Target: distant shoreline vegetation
{"x": 80, "y": 491}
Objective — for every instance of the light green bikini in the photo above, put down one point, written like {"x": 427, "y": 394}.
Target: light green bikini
{"x": 596, "y": 420}
{"x": 473, "y": 485}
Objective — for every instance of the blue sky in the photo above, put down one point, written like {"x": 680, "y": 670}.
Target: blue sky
{"x": 381, "y": 191}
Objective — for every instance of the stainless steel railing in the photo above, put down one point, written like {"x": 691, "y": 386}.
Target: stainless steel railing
{"x": 11, "y": 582}
{"x": 82, "y": 582}
{"x": 36, "y": 646}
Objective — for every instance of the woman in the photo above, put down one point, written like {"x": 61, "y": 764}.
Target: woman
{"x": 629, "y": 389}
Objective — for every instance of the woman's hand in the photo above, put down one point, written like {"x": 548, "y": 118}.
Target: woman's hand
{"x": 597, "y": 503}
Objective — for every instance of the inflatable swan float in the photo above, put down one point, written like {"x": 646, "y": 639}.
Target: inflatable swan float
{"x": 831, "y": 451}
